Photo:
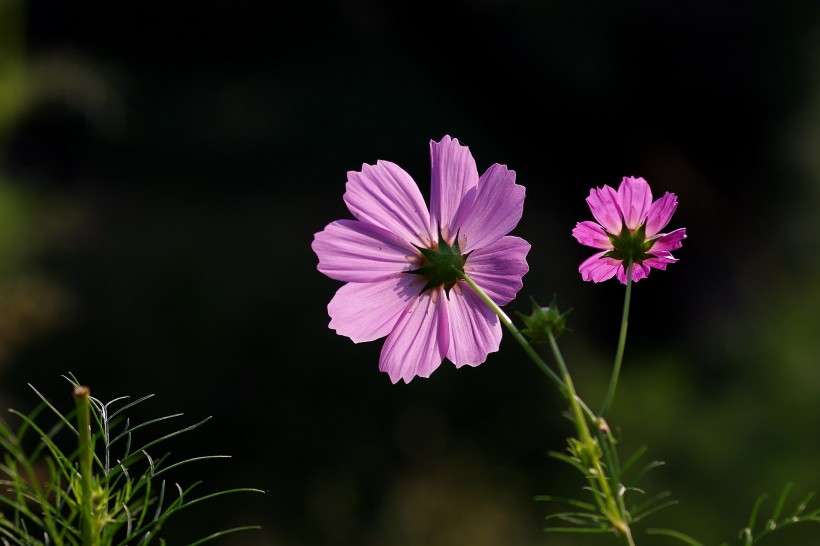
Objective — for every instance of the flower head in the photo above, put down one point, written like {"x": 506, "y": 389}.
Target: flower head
{"x": 628, "y": 231}
{"x": 404, "y": 264}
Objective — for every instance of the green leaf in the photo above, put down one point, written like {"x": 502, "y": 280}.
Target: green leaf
{"x": 223, "y": 533}
{"x": 755, "y": 509}
{"x": 633, "y": 459}
{"x": 564, "y": 500}
{"x": 645, "y": 470}
{"x": 674, "y": 534}
{"x": 576, "y": 530}
{"x": 656, "y": 508}
{"x": 575, "y": 463}
{"x": 52, "y": 408}
{"x": 781, "y": 500}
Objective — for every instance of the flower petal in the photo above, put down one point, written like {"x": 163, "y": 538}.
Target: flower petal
{"x": 419, "y": 340}
{"x": 660, "y": 262}
{"x": 368, "y": 311}
{"x": 354, "y": 251}
{"x": 603, "y": 202}
{"x": 669, "y": 241}
{"x": 596, "y": 268}
{"x": 639, "y": 271}
{"x": 497, "y": 268}
{"x": 635, "y": 198}
{"x": 384, "y": 194}
{"x": 591, "y": 234}
{"x": 660, "y": 213}
{"x": 475, "y": 330}
{"x": 453, "y": 175}
{"x": 498, "y": 205}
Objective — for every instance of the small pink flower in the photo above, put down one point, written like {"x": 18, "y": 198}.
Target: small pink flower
{"x": 402, "y": 263}
{"x": 628, "y": 229}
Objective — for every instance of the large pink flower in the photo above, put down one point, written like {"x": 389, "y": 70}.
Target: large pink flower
{"x": 628, "y": 229}
{"x": 402, "y": 264}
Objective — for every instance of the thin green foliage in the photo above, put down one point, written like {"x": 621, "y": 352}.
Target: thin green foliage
{"x": 47, "y": 497}
{"x": 592, "y": 517}
{"x": 674, "y": 534}
{"x": 754, "y": 533}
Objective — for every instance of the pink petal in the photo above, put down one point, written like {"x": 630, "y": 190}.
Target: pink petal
{"x": 603, "y": 202}
{"x": 384, "y": 195}
{"x": 354, "y": 251}
{"x": 454, "y": 174}
{"x": 368, "y": 311}
{"x": 660, "y": 213}
{"x": 475, "y": 330}
{"x": 660, "y": 262}
{"x": 635, "y": 198}
{"x": 639, "y": 271}
{"x": 669, "y": 241}
{"x": 419, "y": 340}
{"x": 498, "y": 205}
{"x": 591, "y": 234}
{"x": 596, "y": 268}
{"x": 497, "y": 268}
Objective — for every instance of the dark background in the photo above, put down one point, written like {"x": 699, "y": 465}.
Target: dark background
{"x": 165, "y": 166}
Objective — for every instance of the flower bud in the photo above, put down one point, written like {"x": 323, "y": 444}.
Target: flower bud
{"x": 543, "y": 321}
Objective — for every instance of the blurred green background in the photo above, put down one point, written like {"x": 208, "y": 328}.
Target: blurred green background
{"x": 164, "y": 165}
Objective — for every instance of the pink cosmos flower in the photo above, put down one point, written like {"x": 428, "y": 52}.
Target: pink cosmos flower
{"x": 402, "y": 264}
{"x": 628, "y": 229}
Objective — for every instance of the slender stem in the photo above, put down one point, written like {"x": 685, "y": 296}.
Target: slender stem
{"x": 516, "y": 333}
{"x": 619, "y": 353}
{"x": 627, "y": 534}
{"x": 577, "y": 411}
{"x": 609, "y": 506}
{"x": 585, "y": 435}
{"x": 91, "y": 536}
{"x": 580, "y": 411}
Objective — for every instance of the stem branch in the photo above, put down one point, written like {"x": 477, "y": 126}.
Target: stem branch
{"x": 516, "y": 333}
{"x": 592, "y": 454}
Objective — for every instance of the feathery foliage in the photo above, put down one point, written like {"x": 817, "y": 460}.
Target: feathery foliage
{"x": 102, "y": 488}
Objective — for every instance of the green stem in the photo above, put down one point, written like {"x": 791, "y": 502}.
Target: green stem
{"x": 608, "y": 504}
{"x": 619, "y": 353}
{"x": 516, "y": 333}
{"x": 91, "y": 536}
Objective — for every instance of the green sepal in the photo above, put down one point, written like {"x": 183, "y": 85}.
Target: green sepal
{"x": 443, "y": 266}
{"x": 630, "y": 246}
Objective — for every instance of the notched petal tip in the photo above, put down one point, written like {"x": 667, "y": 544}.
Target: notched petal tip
{"x": 598, "y": 268}
{"x": 475, "y": 330}
{"x": 591, "y": 234}
{"x": 386, "y": 196}
{"x": 415, "y": 347}
{"x": 603, "y": 203}
{"x": 635, "y": 199}
{"x": 356, "y": 251}
{"x": 453, "y": 177}
{"x": 368, "y": 311}
{"x": 660, "y": 213}
{"x": 670, "y": 241}
{"x": 496, "y": 209}
{"x": 498, "y": 268}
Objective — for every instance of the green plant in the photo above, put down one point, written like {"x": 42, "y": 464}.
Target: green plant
{"x": 97, "y": 490}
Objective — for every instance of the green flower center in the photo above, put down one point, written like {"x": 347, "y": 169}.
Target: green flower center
{"x": 630, "y": 246}
{"x": 442, "y": 265}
